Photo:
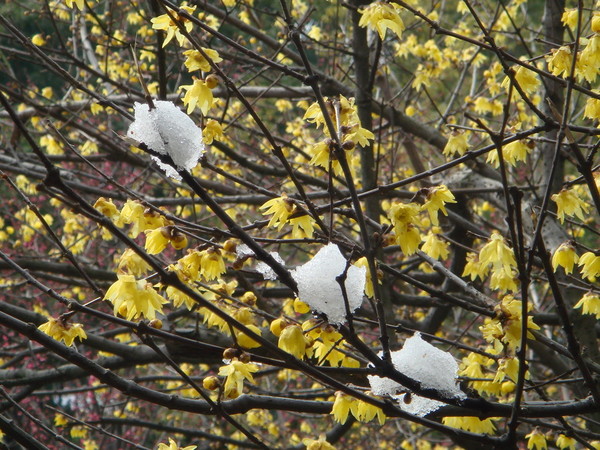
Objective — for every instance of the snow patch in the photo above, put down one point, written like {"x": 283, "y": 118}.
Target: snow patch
{"x": 318, "y": 288}
{"x": 421, "y": 361}
{"x": 265, "y": 270}
{"x": 169, "y": 131}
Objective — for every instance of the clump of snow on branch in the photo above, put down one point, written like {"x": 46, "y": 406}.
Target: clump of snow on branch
{"x": 243, "y": 252}
{"x": 421, "y": 361}
{"x": 266, "y": 271}
{"x": 319, "y": 289}
{"x": 168, "y": 131}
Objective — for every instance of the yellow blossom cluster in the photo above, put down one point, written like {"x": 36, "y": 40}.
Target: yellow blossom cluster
{"x": 360, "y": 409}
{"x": 170, "y": 25}
{"x": 62, "y": 330}
{"x": 236, "y": 372}
{"x": 498, "y": 257}
{"x": 505, "y": 328}
{"x": 287, "y": 211}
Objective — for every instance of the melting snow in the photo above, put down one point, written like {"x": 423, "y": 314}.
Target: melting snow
{"x": 318, "y": 288}
{"x": 169, "y": 131}
{"x": 265, "y": 269}
{"x": 424, "y": 363}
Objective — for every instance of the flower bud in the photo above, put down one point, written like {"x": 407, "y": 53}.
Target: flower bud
{"x": 212, "y": 81}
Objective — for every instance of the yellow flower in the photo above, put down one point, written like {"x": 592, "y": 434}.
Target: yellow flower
{"x": 173, "y": 446}
{"x": 212, "y": 265}
{"x": 134, "y": 298}
{"x": 165, "y": 23}
{"x": 404, "y": 217}
{"x": 570, "y": 18}
{"x": 565, "y": 256}
{"x": 559, "y": 61}
{"x": 281, "y": 208}
{"x": 320, "y": 444}
{"x": 435, "y": 200}
{"x": 63, "y": 331}
{"x": 381, "y": 16}
{"x": 504, "y": 279}
{"x": 457, "y": 144}
{"x": 590, "y": 264}
{"x": 536, "y": 440}
{"x": 569, "y": 203}
{"x": 342, "y": 406}
{"x": 434, "y": 246}
{"x": 302, "y": 227}
{"x": 156, "y": 240}
{"x": 515, "y": 151}
{"x": 79, "y": 3}
{"x": 527, "y": 80}
{"x": 496, "y": 253}
{"x": 60, "y": 420}
{"x": 563, "y": 442}
{"x": 474, "y": 268}
{"x": 472, "y": 424}
{"x": 38, "y": 40}
{"x": 246, "y": 341}
{"x": 198, "y": 94}
{"x": 196, "y": 61}
{"x": 365, "y": 412}
{"x": 212, "y": 130}
{"x": 132, "y": 263}
{"x": 589, "y": 304}
{"x": 292, "y": 341}
{"x": 236, "y": 372}
{"x": 592, "y": 108}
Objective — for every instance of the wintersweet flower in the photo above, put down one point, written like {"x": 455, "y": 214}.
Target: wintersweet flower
{"x": 565, "y": 256}
{"x": 246, "y": 341}
{"x": 196, "y": 60}
{"x": 156, "y": 240}
{"x": 212, "y": 265}
{"x": 470, "y": 423}
{"x": 107, "y": 208}
{"x": 365, "y": 412}
{"x": 516, "y": 151}
{"x": 165, "y": 23}
{"x": 381, "y": 16}
{"x": 132, "y": 263}
{"x": 63, "y": 331}
{"x": 302, "y": 227}
{"x": 79, "y": 3}
{"x": 38, "y": 40}
{"x": 570, "y": 18}
{"x": 212, "y": 130}
{"x": 496, "y": 253}
{"x": 457, "y": 144}
{"x": 236, "y": 372}
{"x": 319, "y": 444}
{"x": 527, "y": 80}
{"x": 133, "y": 298}
{"x": 559, "y": 61}
{"x": 435, "y": 201}
{"x": 592, "y": 108}
{"x": 590, "y": 264}
{"x": 589, "y": 304}
{"x": 565, "y": 442}
{"x": 292, "y": 340}
{"x": 173, "y": 446}
{"x": 281, "y": 208}
{"x": 569, "y": 203}
{"x": 198, "y": 95}
{"x": 536, "y": 440}
{"x": 404, "y": 217}
{"x": 434, "y": 246}
{"x": 474, "y": 268}
{"x": 342, "y": 406}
